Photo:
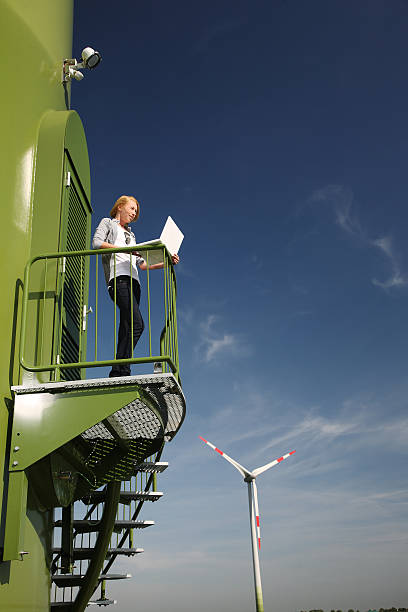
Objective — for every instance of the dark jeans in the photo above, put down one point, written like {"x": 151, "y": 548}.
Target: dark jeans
{"x": 123, "y": 300}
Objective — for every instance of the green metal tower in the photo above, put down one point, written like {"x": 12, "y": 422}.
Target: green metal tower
{"x": 79, "y": 456}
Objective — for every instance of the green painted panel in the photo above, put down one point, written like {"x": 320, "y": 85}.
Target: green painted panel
{"x": 45, "y": 421}
{"x": 61, "y": 139}
{"x": 45, "y": 29}
{"x": 60, "y": 131}
{"x": 16, "y": 514}
{"x": 54, "y": 17}
{"x": 38, "y": 36}
{"x": 25, "y": 585}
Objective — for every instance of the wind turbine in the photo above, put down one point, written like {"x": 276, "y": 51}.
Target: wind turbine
{"x": 249, "y": 478}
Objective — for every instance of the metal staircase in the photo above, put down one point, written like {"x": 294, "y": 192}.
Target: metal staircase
{"x": 83, "y": 545}
{"x": 91, "y": 449}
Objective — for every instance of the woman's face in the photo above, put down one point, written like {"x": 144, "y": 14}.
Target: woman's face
{"x": 128, "y": 212}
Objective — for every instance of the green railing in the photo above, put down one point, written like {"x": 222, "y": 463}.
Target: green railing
{"x": 55, "y": 311}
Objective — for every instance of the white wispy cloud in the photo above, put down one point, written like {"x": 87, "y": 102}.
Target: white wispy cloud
{"x": 398, "y": 497}
{"x": 213, "y": 343}
{"x": 217, "y": 345}
{"x": 397, "y": 431}
{"x": 255, "y": 427}
{"x": 342, "y": 201}
{"x": 314, "y": 428}
{"x": 397, "y": 279}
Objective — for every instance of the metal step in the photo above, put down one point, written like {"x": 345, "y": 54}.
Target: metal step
{"x": 128, "y": 552}
{"x": 87, "y": 526}
{"x": 68, "y": 605}
{"x": 87, "y": 553}
{"x": 151, "y": 467}
{"x": 121, "y": 525}
{"x": 71, "y": 580}
{"x": 126, "y": 497}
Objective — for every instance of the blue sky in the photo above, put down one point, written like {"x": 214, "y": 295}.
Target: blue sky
{"x": 275, "y": 134}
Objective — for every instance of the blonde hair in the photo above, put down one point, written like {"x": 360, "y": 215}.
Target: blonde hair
{"x": 123, "y": 200}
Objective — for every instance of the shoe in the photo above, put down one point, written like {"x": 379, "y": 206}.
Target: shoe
{"x": 115, "y": 373}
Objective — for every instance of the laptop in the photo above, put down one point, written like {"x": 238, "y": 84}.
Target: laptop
{"x": 171, "y": 237}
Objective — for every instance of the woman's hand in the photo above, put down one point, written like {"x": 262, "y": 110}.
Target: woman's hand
{"x": 174, "y": 258}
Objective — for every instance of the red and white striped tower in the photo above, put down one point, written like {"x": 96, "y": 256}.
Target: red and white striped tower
{"x": 250, "y": 479}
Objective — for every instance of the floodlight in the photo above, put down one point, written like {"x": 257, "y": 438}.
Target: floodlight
{"x": 71, "y": 67}
{"x": 90, "y": 58}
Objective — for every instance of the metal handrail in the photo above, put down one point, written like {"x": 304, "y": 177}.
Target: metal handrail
{"x": 168, "y": 338}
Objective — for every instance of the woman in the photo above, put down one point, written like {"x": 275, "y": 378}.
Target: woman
{"x": 112, "y": 233}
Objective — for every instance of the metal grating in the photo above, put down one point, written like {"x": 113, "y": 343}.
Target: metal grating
{"x": 125, "y": 496}
{"x": 98, "y": 431}
{"x": 152, "y": 467}
{"x": 111, "y": 460}
{"x": 135, "y": 420}
{"x": 110, "y": 449}
{"x": 74, "y": 282}
{"x": 162, "y": 388}
{"x": 132, "y": 422}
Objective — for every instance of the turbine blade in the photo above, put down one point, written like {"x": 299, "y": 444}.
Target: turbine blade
{"x": 258, "y": 526}
{"x": 269, "y": 465}
{"x": 236, "y": 465}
